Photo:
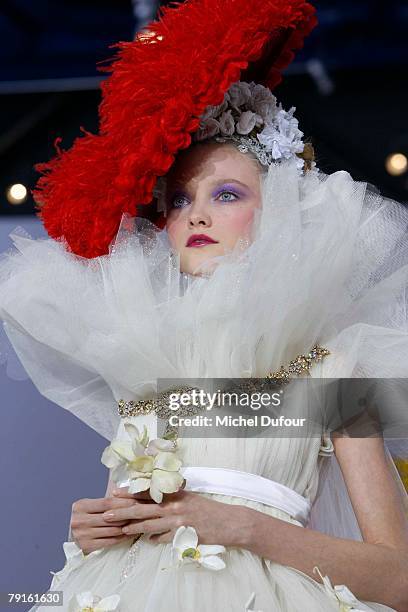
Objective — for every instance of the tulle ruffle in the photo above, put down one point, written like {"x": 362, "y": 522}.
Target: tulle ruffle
{"x": 329, "y": 264}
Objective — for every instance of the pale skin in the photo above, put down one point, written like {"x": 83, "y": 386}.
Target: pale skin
{"x": 375, "y": 569}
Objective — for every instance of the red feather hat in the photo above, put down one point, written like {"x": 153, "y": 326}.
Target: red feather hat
{"x": 160, "y": 85}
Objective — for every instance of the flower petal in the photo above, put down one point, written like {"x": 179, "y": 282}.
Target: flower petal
{"x": 344, "y": 594}
{"x": 131, "y": 429}
{"x": 160, "y": 445}
{"x": 167, "y": 482}
{"x": 137, "y": 448}
{"x": 108, "y": 603}
{"x": 246, "y": 122}
{"x": 119, "y": 474}
{"x": 211, "y": 549}
{"x": 167, "y": 461}
{"x": 110, "y": 458}
{"x": 140, "y": 484}
{"x": 185, "y": 537}
{"x": 85, "y": 599}
{"x": 123, "y": 448}
{"x": 212, "y": 562}
{"x": 156, "y": 494}
{"x": 142, "y": 463}
{"x": 133, "y": 474}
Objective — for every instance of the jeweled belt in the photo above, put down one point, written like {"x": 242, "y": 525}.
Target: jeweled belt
{"x": 225, "y": 481}
{"x": 160, "y": 404}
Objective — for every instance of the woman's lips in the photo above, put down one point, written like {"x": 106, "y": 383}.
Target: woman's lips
{"x": 200, "y": 241}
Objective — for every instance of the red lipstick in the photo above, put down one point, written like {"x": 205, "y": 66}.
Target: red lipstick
{"x": 196, "y": 240}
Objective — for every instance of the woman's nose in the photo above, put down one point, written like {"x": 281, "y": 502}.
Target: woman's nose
{"x": 198, "y": 215}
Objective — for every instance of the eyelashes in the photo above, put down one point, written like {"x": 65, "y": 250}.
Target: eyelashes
{"x": 217, "y": 196}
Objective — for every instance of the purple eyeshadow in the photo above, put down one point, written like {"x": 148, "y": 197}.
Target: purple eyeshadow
{"x": 228, "y": 187}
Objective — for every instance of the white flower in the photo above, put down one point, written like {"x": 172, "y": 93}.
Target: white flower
{"x": 247, "y": 121}
{"x": 160, "y": 445}
{"x": 187, "y": 550}
{"x": 282, "y": 137}
{"x": 250, "y": 603}
{"x": 248, "y": 107}
{"x": 87, "y": 602}
{"x": 227, "y": 123}
{"x": 346, "y": 600}
{"x": 147, "y": 464}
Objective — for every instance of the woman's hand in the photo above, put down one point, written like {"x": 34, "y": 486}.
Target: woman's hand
{"x": 89, "y": 529}
{"x": 214, "y": 521}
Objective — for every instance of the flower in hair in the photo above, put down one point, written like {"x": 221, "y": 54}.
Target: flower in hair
{"x": 249, "y": 115}
{"x": 282, "y": 136}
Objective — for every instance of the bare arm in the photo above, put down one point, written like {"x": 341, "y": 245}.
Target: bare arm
{"x": 374, "y": 570}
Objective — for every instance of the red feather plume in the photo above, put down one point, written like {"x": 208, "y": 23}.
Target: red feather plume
{"x": 159, "y": 86}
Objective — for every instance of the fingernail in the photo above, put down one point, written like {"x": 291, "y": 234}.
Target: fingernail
{"x": 108, "y": 516}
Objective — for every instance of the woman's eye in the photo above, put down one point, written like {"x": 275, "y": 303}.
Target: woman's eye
{"x": 227, "y": 193}
{"x": 178, "y": 201}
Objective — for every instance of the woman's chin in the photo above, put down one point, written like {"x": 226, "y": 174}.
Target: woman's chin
{"x": 199, "y": 266}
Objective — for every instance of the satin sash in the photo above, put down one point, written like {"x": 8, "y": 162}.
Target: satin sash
{"x": 256, "y": 488}
{"x": 248, "y": 486}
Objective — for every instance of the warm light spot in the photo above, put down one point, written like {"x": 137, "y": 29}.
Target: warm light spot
{"x": 396, "y": 164}
{"x": 148, "y": 36}
{"x": 17, "y": 193}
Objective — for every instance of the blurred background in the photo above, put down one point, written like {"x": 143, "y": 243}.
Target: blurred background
{"x": 349, "y": 85}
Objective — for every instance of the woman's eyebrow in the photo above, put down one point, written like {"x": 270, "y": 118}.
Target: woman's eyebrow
{"x": 182, "y": 188}
{"x": 228, "y": 180}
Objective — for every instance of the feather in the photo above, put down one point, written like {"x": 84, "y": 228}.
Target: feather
{"x": 159, "y": 85}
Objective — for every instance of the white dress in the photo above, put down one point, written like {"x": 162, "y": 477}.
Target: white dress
{"x": 136, "y": 573}
{"x": 328, "y": 265}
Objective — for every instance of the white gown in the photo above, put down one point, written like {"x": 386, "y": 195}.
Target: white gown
{"x": 137, "y": 575}
{"x": 328, "y": 265}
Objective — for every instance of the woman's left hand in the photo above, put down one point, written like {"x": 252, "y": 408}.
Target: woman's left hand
{"x": 214, "y": 521}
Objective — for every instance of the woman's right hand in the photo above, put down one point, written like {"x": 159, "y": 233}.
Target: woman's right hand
{"x": 89, "y": 530}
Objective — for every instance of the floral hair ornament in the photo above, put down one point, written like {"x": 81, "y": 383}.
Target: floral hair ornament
{"x": 250, "y": 117}
{"x": 159, "y": 88}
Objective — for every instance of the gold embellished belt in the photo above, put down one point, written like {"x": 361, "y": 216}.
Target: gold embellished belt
{"x": 160, "y": 404}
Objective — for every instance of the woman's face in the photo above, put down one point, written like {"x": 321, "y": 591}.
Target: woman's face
{"x": 212, "y": 190}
